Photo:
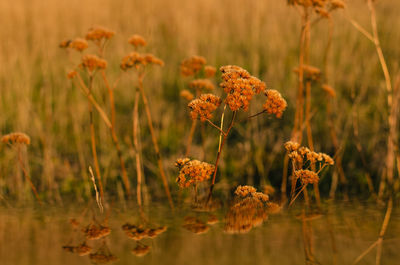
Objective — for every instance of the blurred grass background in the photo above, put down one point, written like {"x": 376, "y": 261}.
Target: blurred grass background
{"x": 262, "y": 36}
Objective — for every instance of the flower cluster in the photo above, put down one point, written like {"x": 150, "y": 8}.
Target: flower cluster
{"x": 137, "y": 40}
{"x": 306, "y": 176}
{"x": 240, "y": 87}
{"x": 137, "y": 232}
{"x": 311, "y": 73}
{"x": 195, "y": 225}
{"x": 92, "y": 62}
{"x": 321, "y": 7}
{"x": 186, "y": 94}
{"x": 202, "y": 84}
{"x": 192, "y": 172}
{"x": 99, "y": 33}
{"x": 210, "y": 71}
{"x": 192, "y": 65}
{"x": 141, "y": 250}
{"x": 78, "y": 44}
{"x": 82, "y": 250}
{"x": 275, "y": 103}
{"x": 135, "y": 59}
{"x": 94, "y": 231}
{"x": 204, "y": 106}
{"x": 16, "y": 138}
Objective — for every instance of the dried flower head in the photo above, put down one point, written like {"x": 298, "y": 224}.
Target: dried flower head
{"x": 135, "y": 59}
{"x": 137, "y": 40}
{"x": 92, "y": 62}
{"x": 99, "y": 33}
{"x": 291, "y": 146}
{"x": 64, "y": 44}
{"x": 275, "y": 103}
{"x": 94, "y": 231}
{"x": 195, "y": 225}
{"x": 138, "y": 232}
{"x": 248, "y": 211}
{"x": 210, "y": 71}
{"x": 306, "y": 176}
{"x": 78, "y": 44}
{"x": 16, "y": 138}
{"x": 240, "y": 86}
{"x": 310, "y": 72}
{"x": 204, "y": 106}
{"x": 322, "y": 12}
{"x": 186, "y": 94}
{"x": 202, "y": 84}
{"x": 141, "y": 250}
{"x": 192, "y": 172}
{"x": 336, "y": 4}
{"x": 71, "y": 74}
{"x": 192, "y": 65}
{"x": 330, "y": 91}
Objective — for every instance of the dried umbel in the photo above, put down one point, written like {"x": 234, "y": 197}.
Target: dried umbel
{"x": 71, "y": 74}
{"x": 92, "y": 63}
{"x": 330, "y": 91}
{"x": 99, "y": 33}
{"x": 186, "y": 94}
{"x": 195, "y": 225}
{"x": 192, "y": 65}
{"x": 137, "y": 40}
{"x": 335, "y": 4}
{"x": 302, "y": 155}
{"x": 94, "y": 231}
{"x": 78, "y": 44}
{"x": 192, "y": 172}
{"x": 16, "y": 138}
{"x": 240, "y": 87}
{"x": 275, "y": 103}
{"x": 135, "y": 59}
{"x": 210, "y": 71}
{"x": 141, "y": 250}
{"x": 311, "y": 73}
{"x": 306, "y": 176}
{"x": 204, "y": 106}
{"x": 82, "y": 250}
{"x": 249, "y": 210}
{"x": 138, "y": 232}
{"x": 202, "y": 84}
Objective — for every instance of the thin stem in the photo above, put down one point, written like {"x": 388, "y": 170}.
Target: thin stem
{"x": 216, "y": 126}
{"x": 257, "y": 114}
{"x": 190, "y": 138}
{"x": 154, "y": 139}
{"x": 297, "y": 195}
{"x": 221, "y": 127}
{"x": 219, "y": 155}
{"x": 136, "y": 144}
{"x": 93, "y": 140}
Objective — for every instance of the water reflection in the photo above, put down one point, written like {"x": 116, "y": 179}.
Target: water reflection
{"x": 246, "y": 231}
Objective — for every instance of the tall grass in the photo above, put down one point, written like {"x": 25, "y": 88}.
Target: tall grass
{"x": 261, "y": 36}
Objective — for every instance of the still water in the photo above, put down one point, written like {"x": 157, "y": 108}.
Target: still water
{"x": 123, "y": 235}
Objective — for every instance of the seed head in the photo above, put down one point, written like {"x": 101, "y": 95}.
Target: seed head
{"x": 99, "y": 33}
{"x": 204, "y": 106}
{"x": 202, "y": 84}
{"x": 329, "y": 90}
{"x": 141, "y": 250}
{"x": 64, "y": 44}
{"x": 192, "y": 172}
{"x": 210, "y": 71}
{"x": 291, "y": 146}
{"x": 240, "y": 86}
{"x": 92, "y": 62}
{"x": 16, "y": 138}
{"x": 306, "y": 176}
{"x": 186, "y": 94}
{"x": 335, "y": 4}
{"x": 72, "y": 74}
{"x": 192, "y": 65}
{"x": 275, "y": 103}
{"x": 78, "y": 44}
{"x": 137, "y": 40}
